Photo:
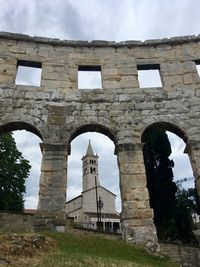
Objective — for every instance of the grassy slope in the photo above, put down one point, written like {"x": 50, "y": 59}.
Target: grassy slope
{"x": 95, "y": 251}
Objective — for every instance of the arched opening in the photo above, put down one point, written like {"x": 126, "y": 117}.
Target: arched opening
{"x": 93, "y": 128}
{"x": 18, "y": 125}
{"x": 27, "y": 139}
{"x": 170, "y": 182}
{"x": 93, "y": 196}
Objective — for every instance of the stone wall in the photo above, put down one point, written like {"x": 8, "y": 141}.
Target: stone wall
{"x": 10, "y": 222}
{"x": 57, "y": 111}
{"x": 185, "y": 255}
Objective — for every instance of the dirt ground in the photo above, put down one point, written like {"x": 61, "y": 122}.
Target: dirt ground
{"x": 23, "y": 250}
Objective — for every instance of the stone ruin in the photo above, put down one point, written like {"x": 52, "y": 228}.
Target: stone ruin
{"x": 58, "y": 111}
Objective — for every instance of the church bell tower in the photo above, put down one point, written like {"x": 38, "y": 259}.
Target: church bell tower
{"x": 90, "y": 169}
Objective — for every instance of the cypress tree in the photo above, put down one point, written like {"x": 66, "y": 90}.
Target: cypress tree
{"x": 162, "y": 189}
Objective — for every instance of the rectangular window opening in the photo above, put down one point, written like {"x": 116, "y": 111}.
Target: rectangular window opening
{"x": 197, "y": 62}
{"x": 149, "y": 75}
{"x": 28, "y": 73}
{"x": 89, "y": 77}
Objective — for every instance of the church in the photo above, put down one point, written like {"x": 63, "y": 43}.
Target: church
{"x": 95, "y": 206}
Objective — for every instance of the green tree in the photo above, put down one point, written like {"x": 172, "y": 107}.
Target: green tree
{"x": 14, "y": 170}
{"x": 185, "y": 206}
{"x": 162, "y": 189}
{"x": 194, "y": 200}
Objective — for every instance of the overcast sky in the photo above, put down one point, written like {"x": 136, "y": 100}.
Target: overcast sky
{"x": 97, "y": 20}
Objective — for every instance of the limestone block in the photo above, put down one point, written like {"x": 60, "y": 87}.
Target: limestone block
{"x": 128, "y": 70}
{"x": 61, "y": 76}
{"x": 145, "y": 105}
{"x": 124, "y": 97}
{"x": 31, "y": 51}
{"x": 55, "y": 165}
{"x": 109, "y": 71}
{"x": 64, "y": 49}
{"x": 139, "y": 204}
{"x": 163, "y": 47}
{"x": 6, "y": 79}
{"x": 54, "y": 84}
{"x": 170, "y": 81}
{"x": 131, "y": 169}
{"x": 17, "y": 50}
{"x": 195, "y": 78}
{"x": 37, "y": 95}
{"x": 139, "y": 214}
{"x": 42, "y": 52}
{"x": 137, "y": 223}
{"x": 108, "y": 84}
{"x": 139, "y": 194}
{"x": 133, "y": 181}
{"x": 128, "y": 82}
{"x": 187, "y": 79}
{"x": 52, "y": 204}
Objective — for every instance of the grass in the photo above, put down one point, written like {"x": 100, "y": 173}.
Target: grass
{"x": 96, "y": 251}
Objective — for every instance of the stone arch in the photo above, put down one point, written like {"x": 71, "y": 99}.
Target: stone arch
{"x": 19, "y": 125}
{"x": 93, "y": 127}
{"x": 172, "y": 127}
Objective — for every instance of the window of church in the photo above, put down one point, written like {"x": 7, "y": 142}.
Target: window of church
{"x": 149, "y": 75}
{"x": 28, "y": 73}
{"x": 92, "y": 170}
{"x": 89, "y": 77}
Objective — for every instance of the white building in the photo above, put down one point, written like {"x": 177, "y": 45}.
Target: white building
{"x": 96, "y": 203}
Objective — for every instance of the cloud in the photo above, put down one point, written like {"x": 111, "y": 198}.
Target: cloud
{"x": 14, "y": 18}
{"x": 28, "y": 144}
{"x": 182, "y": 168}
{"x": 31, "y": 202}
{"x": 109, "y": 20}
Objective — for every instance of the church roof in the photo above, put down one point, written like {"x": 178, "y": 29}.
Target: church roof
{"x": 90, "y": 190}
{"x": 90, "y": 150}
{"x": 94, "y": 188}
{"x": 74, "y": 198}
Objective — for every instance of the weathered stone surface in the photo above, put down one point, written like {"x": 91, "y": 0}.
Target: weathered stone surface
{"x": 57, "y": 111}
{"x": 16, "y": 222}
{"x": 182, "y": 254}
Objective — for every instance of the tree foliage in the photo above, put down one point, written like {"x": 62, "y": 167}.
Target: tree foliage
{"x": 160, "y": 183}
{"x": 14, "y": 170}
{"x": 185, "y": 206}
{"x": 171, "y": 205}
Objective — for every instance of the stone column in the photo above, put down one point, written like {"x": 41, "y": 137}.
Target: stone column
{"x": 137, "y": 216}
{"x": 193, "y": 151}
{"x": 53, "y": 179}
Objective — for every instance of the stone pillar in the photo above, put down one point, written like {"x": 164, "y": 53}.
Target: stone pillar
{"x": 137, "y": 216}
{"x": 53, "y": 179}
{"x": 193, "y": 151}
